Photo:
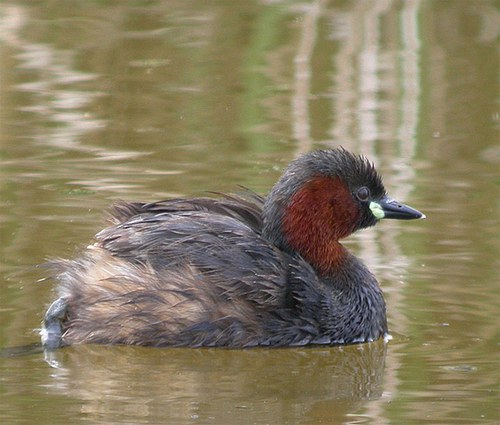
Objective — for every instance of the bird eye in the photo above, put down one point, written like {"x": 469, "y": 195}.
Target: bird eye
{"x": 363, "y": 193}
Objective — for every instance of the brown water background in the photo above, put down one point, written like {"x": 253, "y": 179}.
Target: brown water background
{"x": 143, "y": 100}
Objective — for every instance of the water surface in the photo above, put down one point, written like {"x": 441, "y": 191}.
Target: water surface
{"x": 147, "y": 100}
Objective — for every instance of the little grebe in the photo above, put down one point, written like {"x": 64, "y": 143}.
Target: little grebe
{"x": 240, "y": 271}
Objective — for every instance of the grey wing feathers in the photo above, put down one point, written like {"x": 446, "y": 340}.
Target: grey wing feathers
{"x": 218, "y": 237}
{"x": 245, "y": 206}
{"x": 181, "y": 272}
{"x": 223, "y": 249}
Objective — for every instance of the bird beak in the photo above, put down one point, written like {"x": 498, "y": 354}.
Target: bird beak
{"x": 389, "y": 208}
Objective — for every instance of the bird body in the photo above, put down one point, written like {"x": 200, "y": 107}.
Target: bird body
{"x": 237, "y": 271}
